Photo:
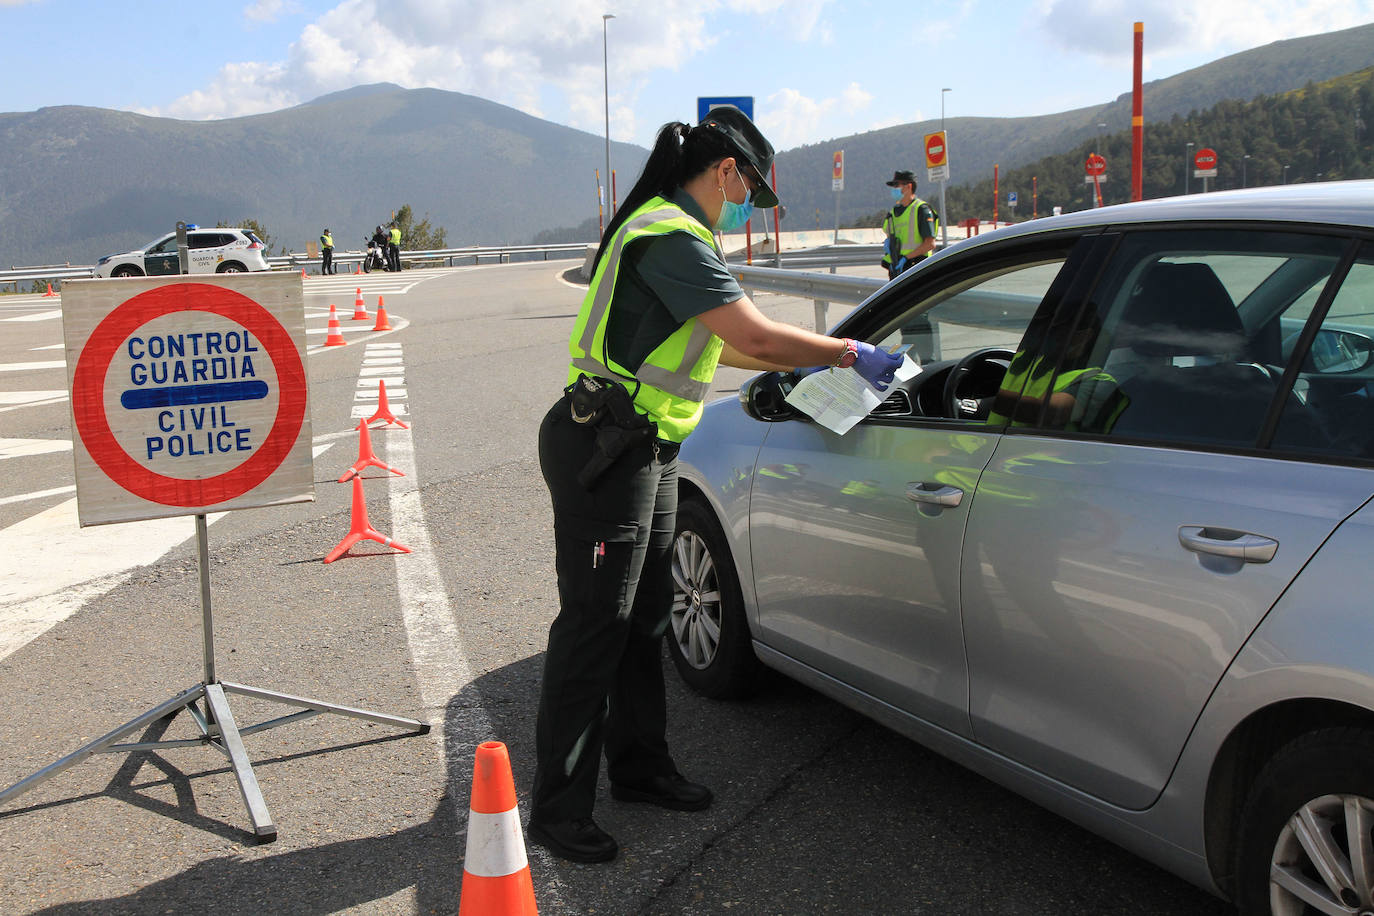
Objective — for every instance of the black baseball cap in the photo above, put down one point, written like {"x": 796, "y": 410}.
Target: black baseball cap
{"x": 901, "y": 177}
{"x": 750, "y": 146}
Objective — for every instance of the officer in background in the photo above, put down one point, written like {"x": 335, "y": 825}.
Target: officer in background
{"x": 393, "y": 248}
{"x": 327, "y": 252}
{"x": 910, "y": 225}
{"x": 662, "y": 310}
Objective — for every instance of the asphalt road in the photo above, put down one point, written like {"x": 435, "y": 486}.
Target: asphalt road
{"x": 817, "y": 809}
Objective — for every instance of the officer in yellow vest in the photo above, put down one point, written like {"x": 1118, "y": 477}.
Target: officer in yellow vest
{"x": 326, "y": 252}
{"x": 910, "y": 225}
{"x": 661, "y": 312}
{"x": 393, "y": 249}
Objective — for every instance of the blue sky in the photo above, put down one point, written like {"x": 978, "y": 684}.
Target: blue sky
{"x": 817, "y": 69}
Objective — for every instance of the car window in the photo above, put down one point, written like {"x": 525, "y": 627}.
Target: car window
{"x": 1183, "y": 340}
{"x": 165, "y": 246}
{"x": 991, "y": 308}
{"x": 1335, "y": 380}
{"x": 205, "y": 240}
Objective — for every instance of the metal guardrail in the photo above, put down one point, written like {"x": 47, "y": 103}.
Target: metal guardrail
{"x": 822, "y": 289}
{"x": 504, "y": 254}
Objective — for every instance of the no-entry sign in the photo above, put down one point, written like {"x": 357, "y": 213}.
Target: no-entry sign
{"x": 1205, "y": 162}
{"x": 837, "y": 172}
{"x": 187, "y": 396}
{"x": 937, "y": 157}
{"x": 1096, "y": 165}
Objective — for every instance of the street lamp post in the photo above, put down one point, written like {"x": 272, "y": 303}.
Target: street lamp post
{"x": 606, "y": 89}
{"x": 944, "y": 222}
{"x": 1243, "y": 161}
{"x": 1285, "y": 174}
{"x": 1187, "y": 168}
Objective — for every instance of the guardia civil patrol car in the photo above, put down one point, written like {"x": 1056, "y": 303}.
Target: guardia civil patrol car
{"x": 217, "y": 251}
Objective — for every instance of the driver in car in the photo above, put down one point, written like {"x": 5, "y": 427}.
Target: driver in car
{"x": 1032, "y": 393}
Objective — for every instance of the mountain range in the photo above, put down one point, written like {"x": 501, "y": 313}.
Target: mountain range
{"x": 79, "y": 182}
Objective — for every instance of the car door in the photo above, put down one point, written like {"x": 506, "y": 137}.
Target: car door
{"x": 1120, "y": 549}
{"x": 856, "y": 538}
{"x": 161, "y": 259}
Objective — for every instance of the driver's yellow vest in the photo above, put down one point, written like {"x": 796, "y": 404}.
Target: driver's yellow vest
{"x": 673, "y": 379}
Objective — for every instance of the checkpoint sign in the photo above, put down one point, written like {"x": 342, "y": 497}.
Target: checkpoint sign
{"x": 187, "y": 396}
{"x": 937, "y": 156}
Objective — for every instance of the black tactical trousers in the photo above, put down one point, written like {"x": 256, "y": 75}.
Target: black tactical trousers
{"x": 603, "y": 671}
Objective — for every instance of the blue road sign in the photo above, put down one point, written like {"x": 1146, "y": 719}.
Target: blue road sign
{"x": 744, "y": 103}
{"x": 1011, "y": 198}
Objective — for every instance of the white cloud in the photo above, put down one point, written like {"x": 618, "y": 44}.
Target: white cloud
{"x": 528, "y": 54}
{"x": 268, "y": 10}
{"x": 792, "y": 119}
{"x": 1103, "y": 29}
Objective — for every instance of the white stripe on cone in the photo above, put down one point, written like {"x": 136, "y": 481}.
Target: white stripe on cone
{"x": 496, "y": 847}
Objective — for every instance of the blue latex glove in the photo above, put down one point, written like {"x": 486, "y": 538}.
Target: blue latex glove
{"x": 875, "y": 365}
{"x": 900, "y": 265}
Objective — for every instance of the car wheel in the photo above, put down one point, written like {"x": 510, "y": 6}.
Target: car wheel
{"x": 709, "y": 638}
{"x": 1307, "y": 830}
{"x": 230, "y": 267}
{"x": 126, "y": 270}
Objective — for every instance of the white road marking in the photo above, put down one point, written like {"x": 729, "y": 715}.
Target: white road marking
{"x": 38, "y": 316}
{"x": 363, "y": 394}
{"x": 27, "y": 397}
{"x": 365, "y": 411}
{"x": 36, "y": 494}
{"x": 392, "y": 381}
{"x": 49, "y": 347}
{"x": 22, "y": 448}
{"x": 40, "y": 403}
{"x": 27, "y": 367}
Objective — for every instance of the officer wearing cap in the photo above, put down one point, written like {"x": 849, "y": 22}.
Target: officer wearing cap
{"x": 662, "y": 310}
{"x": 326, "y": 252}
{"x": 910, "y": 226}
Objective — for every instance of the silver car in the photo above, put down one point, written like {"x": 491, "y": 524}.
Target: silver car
{"x": 1113, "y": 547}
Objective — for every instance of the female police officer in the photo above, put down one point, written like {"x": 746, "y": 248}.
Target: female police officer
{"x": 661, "y": 311}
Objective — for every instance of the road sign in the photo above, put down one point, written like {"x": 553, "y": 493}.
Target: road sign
{"x": 1096, "y": 165}
{"x": 744, "y": 103}
{"x": 837, "y": 172}
{"x": 1205, "y": 163}
{"x": 1011, "y": 198}
{"x": 188, "y": 396}
{"x": 937, "y": 156}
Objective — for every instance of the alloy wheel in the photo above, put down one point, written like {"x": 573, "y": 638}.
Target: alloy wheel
{"x": 696, "y": 613}
{"x": 1323, "y": 859}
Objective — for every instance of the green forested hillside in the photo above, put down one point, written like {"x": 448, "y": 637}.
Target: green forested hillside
{"x": 1318, "y": 133}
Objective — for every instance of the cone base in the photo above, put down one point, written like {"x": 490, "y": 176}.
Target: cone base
{"x": 510, "y": 895}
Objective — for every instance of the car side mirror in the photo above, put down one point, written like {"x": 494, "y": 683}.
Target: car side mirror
{"x": 1336, "y": 352}
{"x": 764, "y": 397}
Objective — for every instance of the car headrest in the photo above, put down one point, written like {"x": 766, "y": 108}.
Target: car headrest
{"x": 1182, "y": 310}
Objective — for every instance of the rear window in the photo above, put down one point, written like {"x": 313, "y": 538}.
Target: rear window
{"x": 251, "y": 236}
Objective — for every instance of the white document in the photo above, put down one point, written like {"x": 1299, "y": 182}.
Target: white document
{"x": 839, "y": 398}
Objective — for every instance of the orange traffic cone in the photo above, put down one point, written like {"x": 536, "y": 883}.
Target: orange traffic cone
{"x": 360, "y": 307}
{"x": 382, "y": 323}
{"x": 49, "y": 293}
{"x": 302, "y": 273}
{"x": 496, "y": 871}
{"x": 359, "y": 271}
{"x": 366, "y": 457}
{"x": 335, "y": 337}
{"x": 383, "y": 408}
{"x": 360, "y": 528}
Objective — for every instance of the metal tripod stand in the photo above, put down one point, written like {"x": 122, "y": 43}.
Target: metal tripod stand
{"x": 215, "y": 721}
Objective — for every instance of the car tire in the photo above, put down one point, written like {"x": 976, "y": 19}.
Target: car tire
{"x": 1315, "y": 793}
{"x": 230, "y": 267}
{"x": 126, "y": 270}
{"x": 708, "y": 635}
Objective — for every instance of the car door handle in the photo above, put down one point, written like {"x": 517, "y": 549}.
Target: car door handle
{"x": 934, "y": 494}
{"x": 1224, "y": 542}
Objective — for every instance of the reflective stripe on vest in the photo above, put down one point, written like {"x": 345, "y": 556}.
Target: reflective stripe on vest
{"x": 676, "y": 365}
{"x": 911, "y": 223}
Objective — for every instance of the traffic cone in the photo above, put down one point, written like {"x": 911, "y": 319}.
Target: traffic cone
{"x": 382, "y": 323}
{"x": 359, "y": 271}
{"x": 49, "y": 294}
{"x": 335, "y": 337}
{"x": 360, "y": 528}
{"x": 383, "y": 408}
{"x": 496, "y": 871}
{"x": 360, "y": 307}
{"x": 302, "y": 273}
{"x": 366, "y": 457}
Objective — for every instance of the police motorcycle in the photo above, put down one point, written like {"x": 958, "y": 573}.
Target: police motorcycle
{"x": 375, "y": 259}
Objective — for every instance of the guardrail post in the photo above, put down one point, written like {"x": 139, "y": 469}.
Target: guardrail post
{"x": 821, "y": 322}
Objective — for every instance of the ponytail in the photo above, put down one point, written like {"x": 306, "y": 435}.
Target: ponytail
{"x": 680, "y": 153}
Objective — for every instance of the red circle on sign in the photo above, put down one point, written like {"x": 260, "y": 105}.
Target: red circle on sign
{"x": 1205, "y": 159}
{"x": 839, "y": 165}
{"x": 1095, "y": 165}
{"x": 935, "y": 151}
{"x": 88, "y": 394}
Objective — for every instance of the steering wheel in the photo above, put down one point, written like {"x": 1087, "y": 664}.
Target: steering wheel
{"x": 964, "y": 368}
